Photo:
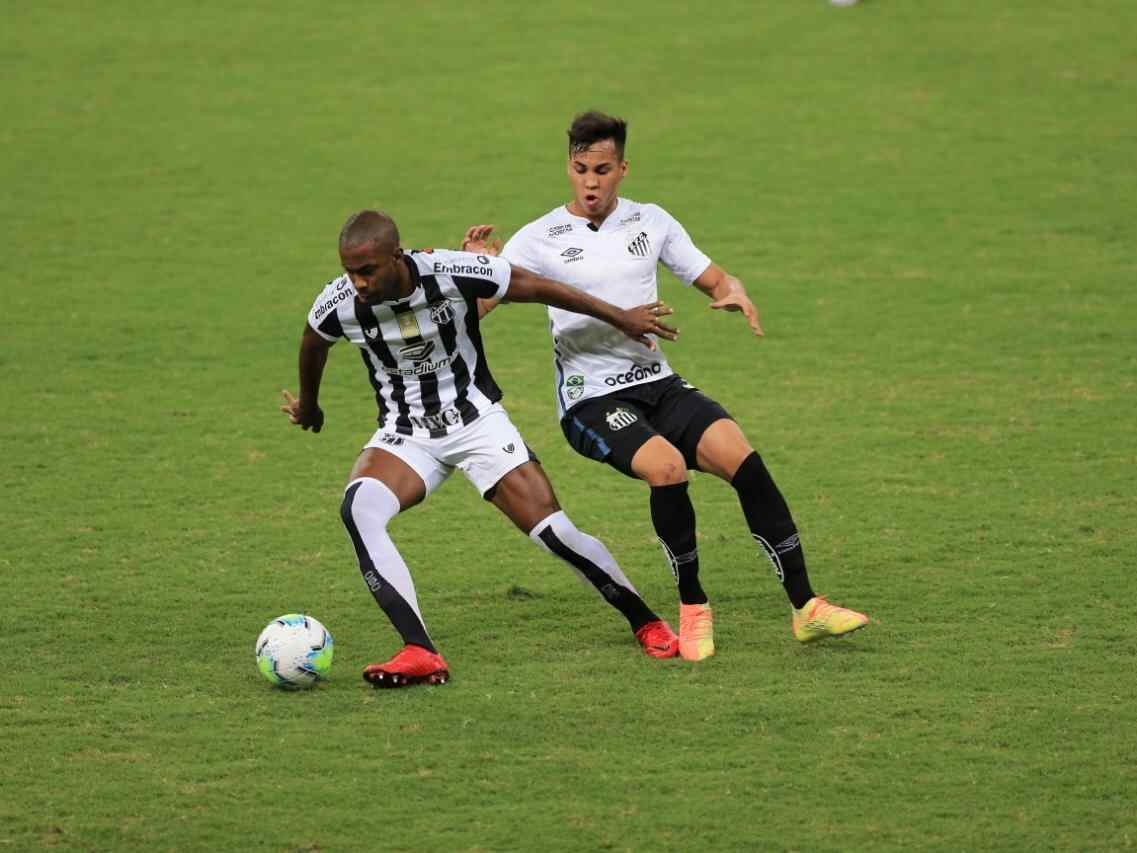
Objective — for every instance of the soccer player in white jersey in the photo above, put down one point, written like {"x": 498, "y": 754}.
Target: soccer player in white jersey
{"x": 415, "y": 319}
{"x": 624, "y": 405}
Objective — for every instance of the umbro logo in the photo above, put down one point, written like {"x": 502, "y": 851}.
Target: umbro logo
{"x": 571, "y": 252}
{"x": 509, "y": 448}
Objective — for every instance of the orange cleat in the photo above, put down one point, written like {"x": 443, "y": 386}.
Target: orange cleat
{"x": 696, "y": 631}
{"x": 411, "y": 665}
{"x": 658, "y": 640}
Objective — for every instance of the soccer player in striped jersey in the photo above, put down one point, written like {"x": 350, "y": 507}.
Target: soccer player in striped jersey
{"x": 625, "y": 406}
{"x": 414, "y": 317}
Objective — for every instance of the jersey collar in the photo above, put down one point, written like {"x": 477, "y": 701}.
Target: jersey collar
{"x": 611, "y": 217}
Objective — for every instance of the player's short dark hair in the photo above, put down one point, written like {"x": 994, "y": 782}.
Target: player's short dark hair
{"x": 368, "y": 226}
{"x": 593, "y": 126}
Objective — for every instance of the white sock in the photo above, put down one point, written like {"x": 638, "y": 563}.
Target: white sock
{"x": 556, "y": 533}
{"x": 368, "y": 506}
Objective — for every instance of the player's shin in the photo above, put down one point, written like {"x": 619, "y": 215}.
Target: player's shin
{"x": 588, "y": 556}
{"x": 673, "y": 517}
{"x": 368, "y": 505}
{"x": 773, "y": 527}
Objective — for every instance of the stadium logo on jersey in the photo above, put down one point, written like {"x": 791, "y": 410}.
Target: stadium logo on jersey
{"x": 638, "y": 373}
{"x": 441, "y": 420}
{"x": 635, "y": 217}
{"x": 420, "y": 369}
{"x": 372, "y": 332}
{"x": 641, "y": 246}
{"x": 418, "y": 353}
{"x": 572, "y": 254}
{"x": 558, "y": 230}
{"x": 509, "y": 448}
{"x": 441, "y": 312}
{"x": 620, "y": 418}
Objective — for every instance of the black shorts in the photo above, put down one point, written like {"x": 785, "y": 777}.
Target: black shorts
{"x": 613, "y": 427}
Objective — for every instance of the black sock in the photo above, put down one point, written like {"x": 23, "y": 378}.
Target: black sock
{"x": 773, "y": 527}
{"x": 674, "y": 521}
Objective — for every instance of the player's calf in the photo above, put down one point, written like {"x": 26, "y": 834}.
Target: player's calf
{"x": 596, "y": 565}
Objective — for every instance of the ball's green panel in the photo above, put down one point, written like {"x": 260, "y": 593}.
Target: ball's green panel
{"x": 268, "y": 669}
{"x": 320, "y": 660}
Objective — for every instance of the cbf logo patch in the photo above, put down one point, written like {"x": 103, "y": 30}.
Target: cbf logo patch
{"x": 620, "y": 418}
{"x": 574, "y": 386}
{"x": 441, "y": 312}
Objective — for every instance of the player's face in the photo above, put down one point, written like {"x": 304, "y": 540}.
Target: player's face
{"x": 375, "y": 270}
{"x": 596, "y": 174}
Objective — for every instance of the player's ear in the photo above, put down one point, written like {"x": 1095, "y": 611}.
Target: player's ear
{"x": 623, "y": 168}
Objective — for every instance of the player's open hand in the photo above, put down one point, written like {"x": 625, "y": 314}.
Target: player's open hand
{"x": 305, "y": 417}
{"x": 476, "y": 240}
{"x": 737, "y": 300}
{"x": 644, "y": 320}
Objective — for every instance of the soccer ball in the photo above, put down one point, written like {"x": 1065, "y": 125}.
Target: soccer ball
{"x": 294, "y": 650}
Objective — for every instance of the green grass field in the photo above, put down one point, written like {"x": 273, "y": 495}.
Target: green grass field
{"x": 932, "y": 205}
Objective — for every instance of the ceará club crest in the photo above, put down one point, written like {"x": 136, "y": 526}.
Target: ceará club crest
{"x": 441, "y": 312}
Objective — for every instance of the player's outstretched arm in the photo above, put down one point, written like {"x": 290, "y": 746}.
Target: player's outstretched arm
{"x": 637, "y": 323}
{"x": 728, "y": 295}
{"x": 306, "y": 412}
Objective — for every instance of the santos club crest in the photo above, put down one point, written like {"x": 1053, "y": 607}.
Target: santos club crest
{"x": 620, "y": 418}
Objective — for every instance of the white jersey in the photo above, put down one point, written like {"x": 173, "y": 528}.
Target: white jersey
{"x": 423, "y": 353}
{"x": 617, "y": 263}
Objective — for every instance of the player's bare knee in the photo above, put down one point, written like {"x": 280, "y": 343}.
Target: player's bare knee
{"x": 665, "y": 472}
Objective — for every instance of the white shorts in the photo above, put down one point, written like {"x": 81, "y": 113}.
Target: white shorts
{"x": 485, "y": 451}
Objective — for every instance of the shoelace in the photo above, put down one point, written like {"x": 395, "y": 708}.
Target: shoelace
{"x": 817, "y": 615}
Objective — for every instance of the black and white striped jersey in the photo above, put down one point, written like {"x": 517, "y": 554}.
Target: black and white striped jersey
{"x": 424, "y": 353}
